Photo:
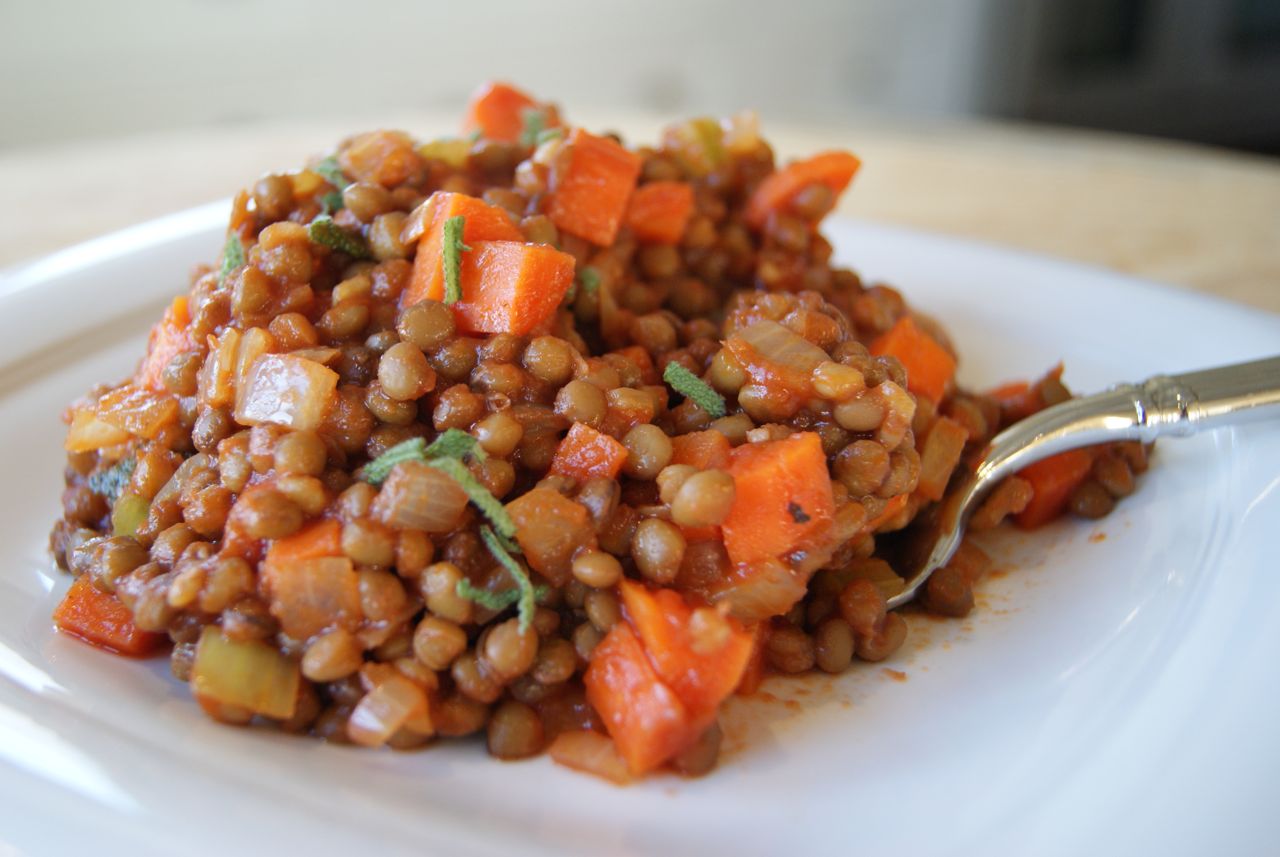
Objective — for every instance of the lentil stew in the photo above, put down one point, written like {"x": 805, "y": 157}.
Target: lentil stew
{"x": 532, "y": 435}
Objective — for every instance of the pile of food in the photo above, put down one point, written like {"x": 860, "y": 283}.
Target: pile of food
{"x": 531, "y": 434}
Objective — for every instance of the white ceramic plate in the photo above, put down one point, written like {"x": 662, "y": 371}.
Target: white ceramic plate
{"x": 1116, "y": 695}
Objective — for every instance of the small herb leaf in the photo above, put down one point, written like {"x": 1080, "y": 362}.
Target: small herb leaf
{"x": 110, "y": 483}
{"x": 549, "y": 134}
{"x": 324, "y": 231}
{"x": 232, "y": 255}
{"x": 590, "y": 279}
{"x": 491, "y": 600}
{"x": 534, "y": 123}
{"x": 331, "y": 201}
{"x": 490, "y": 506}
{"x": 377, "y": 471}
{"x": 452, "y": 443}
{"x": 692, "y": 387}
{"x": 329, "y": 170}
{"x": 452, "y": 257}
{"x": 527, "y": 602}
{"x": 456, "y": 443}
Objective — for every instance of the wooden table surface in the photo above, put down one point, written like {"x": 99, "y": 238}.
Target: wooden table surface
{"x": 1192, "y": 217}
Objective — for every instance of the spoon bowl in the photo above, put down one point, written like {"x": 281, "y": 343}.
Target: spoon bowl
{"x": 1162, "y": 406}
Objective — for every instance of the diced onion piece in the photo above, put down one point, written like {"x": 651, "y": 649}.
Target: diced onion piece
{"x": 783, "y": 347}
{"x": 698, "y": 144}
{"x": 128, "y": 514}
{"x": 245, "y": 673}
{"x": 419, "y": 221}
{"x": 216, "y": 385}
{"x": 88, "y": 433}
{"x": 830, "y": 582}
{"x": 778, "y": 360}
{"x": 393, "y": 703}
{"x": 251, "y": 345}
{"x": 899, "y": 410}
{"x": 310, "y": 596}
{"x": 305, "y": 182}
{"x": 171, "y": 489}
{"x": 889, "y": 583}
{"x": 760, "y": 590}
{"x": 138, "y": 411}
{"x": 592, "y": 753}
{"x": 286, "y": 390}
{"x": 550, "y": 529}
{"x": 324, "y": 355}
{"x": 416, "y": 496}
{"x": 741, "y": 132}
{"x": 941, "y": 454}
{"x": 452, "y": 150}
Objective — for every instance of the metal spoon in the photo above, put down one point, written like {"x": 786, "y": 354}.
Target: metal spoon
{"x": 1163, "y": 406}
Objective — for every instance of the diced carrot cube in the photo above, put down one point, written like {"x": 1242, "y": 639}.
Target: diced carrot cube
{"x": 591, "y": 194}
{"x": 643, "y": 715}
{"x": 481, "y": 222}
{"x": 169, "y": 338}
{"x": 702, "y": 679}
{"x": 497, "y": 110}
{"x": 1052, "y": 481}
{"x": 660, "y": 211}
{"x": 100, "y": 619}
{"x": 930, "y": 367}
{"x": 701, "y": 449}
{"x": 585, "y": 453}
{"x": 783, "y": 494}
{"x": 833, "y": 169}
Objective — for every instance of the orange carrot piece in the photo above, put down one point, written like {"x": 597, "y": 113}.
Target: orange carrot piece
{"x": 1052, "y": 481}
{"x": 585, "y": 453}
{"x": 169, "y": 338}
{"x": 833, "y": 169}
{"x": 481, "y": 222}
{"x": 930, "y": 367}
{"x": 497, "y": 111}
{"x": 783, "y": 496}
{"x": 320, "y": 539}
{"x": 890, "y": 511}
{"x": 701, "y": 449}
{"x": 640, "y": 357}
{"x": 643, "y": 715}
{"x": 710, "y": 533}
{"x": 387, "y": 158}
{"x": 623, "y": 417}
{"x": 660, "y": 211}
{"x": 1020, "y": 399}
{"x": 702, "y": 680}
{"x": 753, "y": 675}
{"x": 591, "y": 194}
{"x": 510, "y": 287}
{"x": 100, "y": 619}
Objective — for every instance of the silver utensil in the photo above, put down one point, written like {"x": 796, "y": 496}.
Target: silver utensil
{"x": 1163, "y": 406}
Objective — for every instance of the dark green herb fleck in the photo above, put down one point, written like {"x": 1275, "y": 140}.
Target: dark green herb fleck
{"x": 694, "y": 388}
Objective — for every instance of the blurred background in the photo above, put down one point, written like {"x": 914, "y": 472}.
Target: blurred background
{"x": 1201, "y": 70}
{"x": 993, "y": 120}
